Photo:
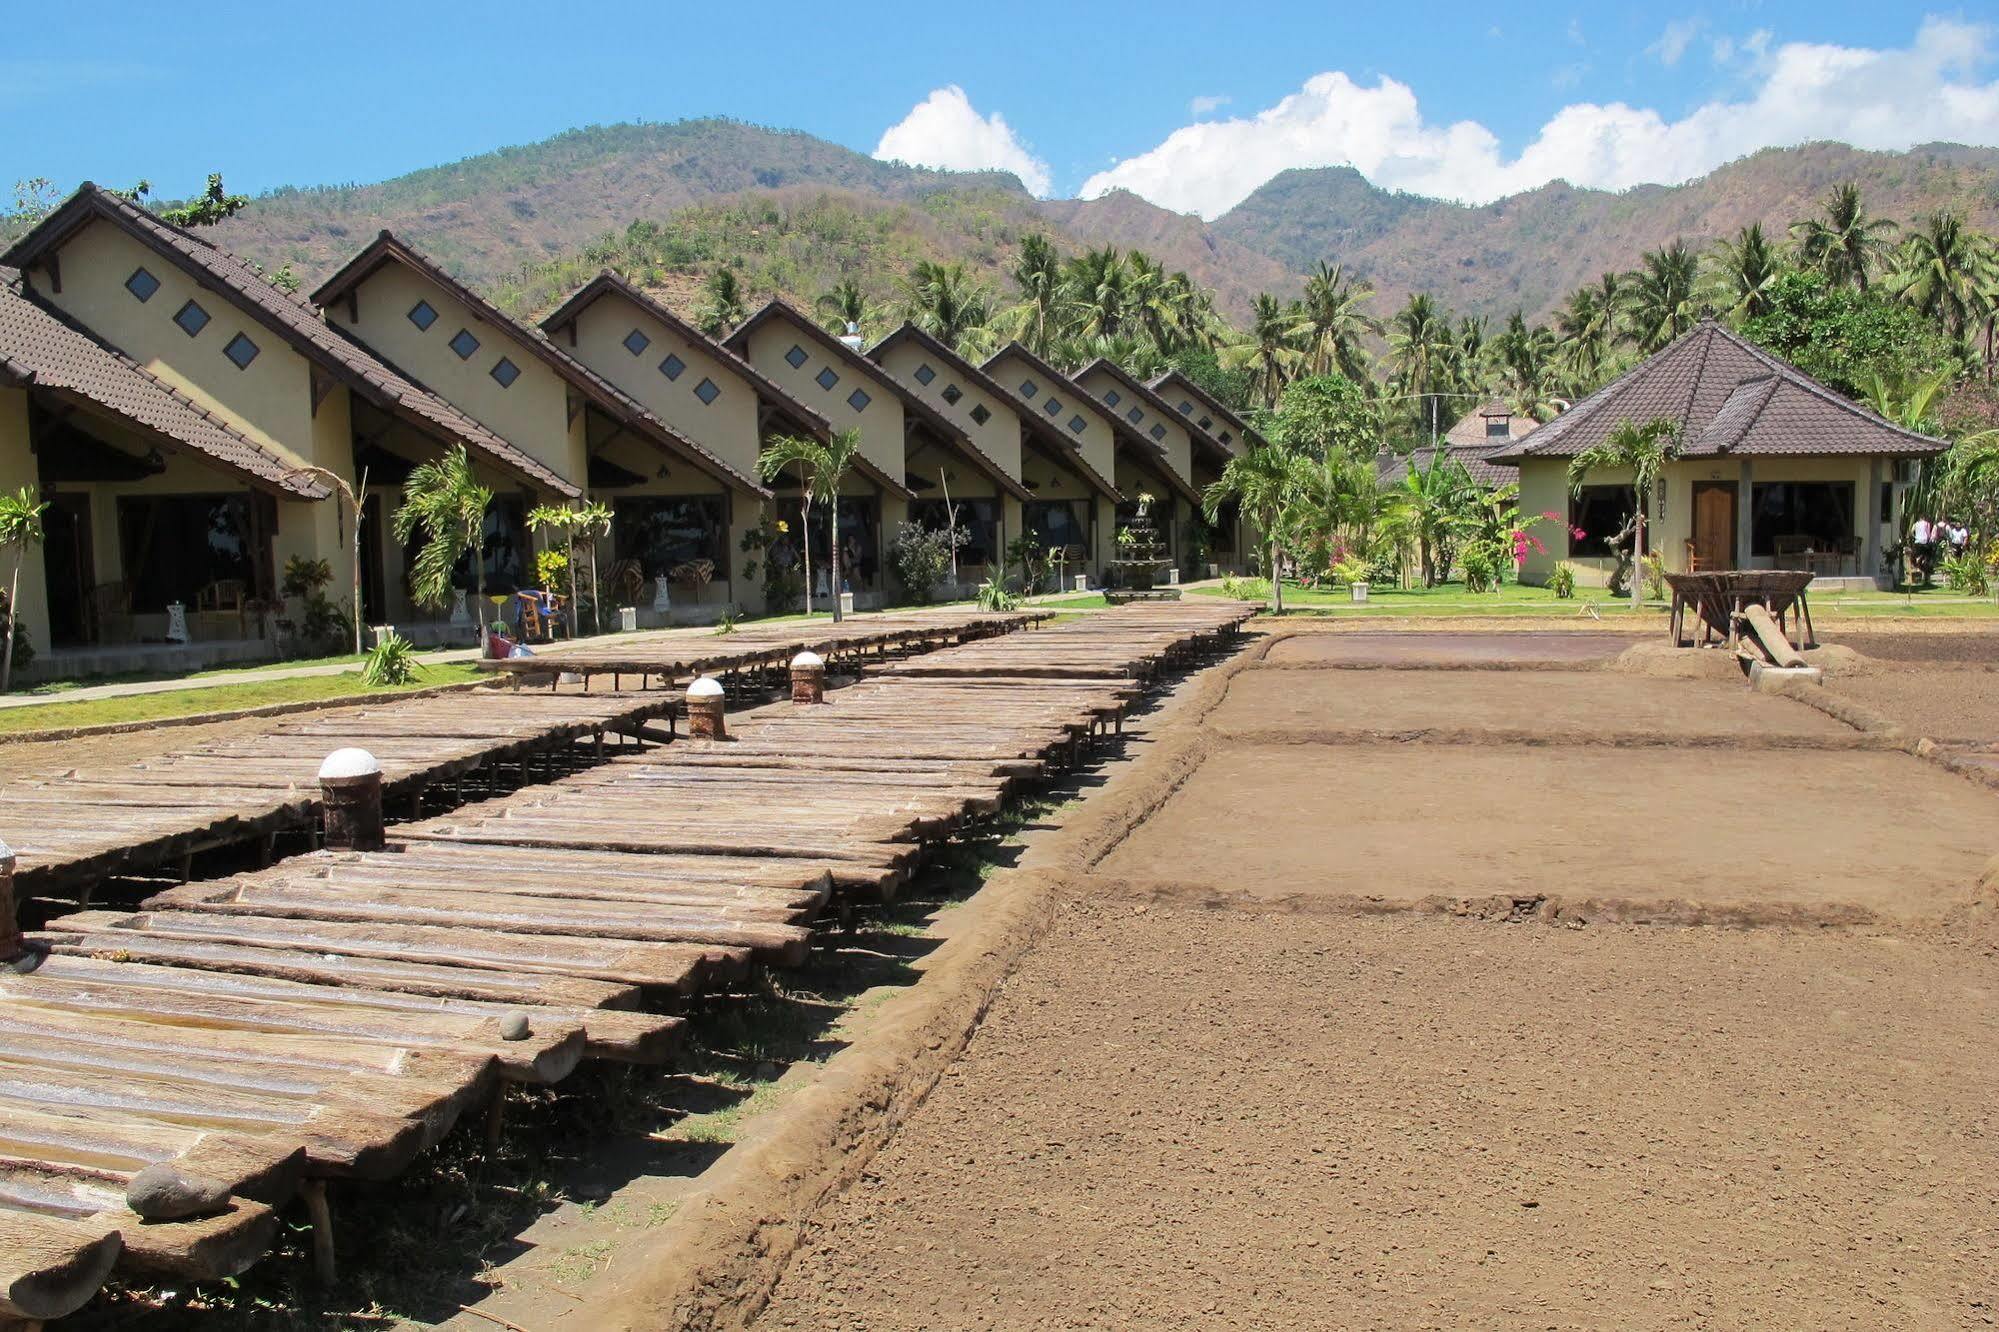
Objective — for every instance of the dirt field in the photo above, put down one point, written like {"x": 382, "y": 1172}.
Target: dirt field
{"x": 1439, "y": 648}
{"x": 1946, "y": 705}
{"x": 1219, "y": 1094}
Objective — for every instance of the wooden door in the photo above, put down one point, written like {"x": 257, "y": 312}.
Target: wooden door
{"x": 1714, "y": 525}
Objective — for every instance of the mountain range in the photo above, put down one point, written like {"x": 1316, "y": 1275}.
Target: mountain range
{"x": 795, "y": 213}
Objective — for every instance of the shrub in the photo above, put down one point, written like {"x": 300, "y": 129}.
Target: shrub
{"x": 551, "y": 570}
{"x": 1562, "y": 580}
{"x": 1655, "y": 576}
{"x": 1481, "y": 570}
{"x": 321, "y": 625}
{"x": 1246, "y": 589}
{"x": 920, "y": 556}
{"x": 391, "y": 662}
{"x": 993, "y": 596}
{"x": 1961, "y": 573}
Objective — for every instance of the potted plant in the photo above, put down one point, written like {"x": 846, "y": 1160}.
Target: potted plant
{"x": 499, "y": 643}
{"x": 1354, "y": 574}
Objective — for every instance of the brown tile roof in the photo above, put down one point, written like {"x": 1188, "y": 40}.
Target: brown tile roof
{"x": 1470, "y": 429}
{"x": 1477, "y": 459}
{"x": 1729, "y": 397}
{"x": 1175, "y": 379}
{"x": 611, "y": 399}
{"x": 299, "y": 324}
{"x": 912, "y": 402}
{"x": 41, "y": 349}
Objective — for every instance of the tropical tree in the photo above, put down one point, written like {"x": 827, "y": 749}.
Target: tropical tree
{"x": 1745, "y": 269}
{"x": 1420, "y": 344}
{"x": 949, "y": 303}
{"x": 1037, "y": 274}
{"x": 1095, "y": 284}
{"x": 1643, "y": 450}
{"x": 352, "y": 495}
{"x": 1945, "y": 269}
{"x": 1273, "y": 348}
{"x": 1326, "y": 416}
{"x": 1588, "y": 326}
{"x": 723, "y": 304}
{"x": 1338, "y": 508}
{"x": 20, "y": 528}
{"x": 843, "y": 304}
{"x": 581, "y": 528}
{"x": 1336, "y": 320}
{"x": 1659, "y": 296}
{"x": 1843, "y": 242}
{"x": 821, "y": 469}
{"x": 1435, "y": 497}
{"x": 1526, "y": 359}
{"x": 1262, "y": 482}
{"x": 443, "y": 499}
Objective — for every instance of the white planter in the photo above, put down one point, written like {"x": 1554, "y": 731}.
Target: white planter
{"x": 1358, "y": 591}
{"x": 628, "y": 618}
{"x": 1082, "y": 582}
{"x": 381, "y": 632}
{"x": 846, "y": 603}
{"x": 1172, "y": 576}
{"x": 176, "y": 623}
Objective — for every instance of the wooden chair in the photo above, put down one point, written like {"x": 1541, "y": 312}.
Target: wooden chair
{"x": 1793, "y": 552}
{"x": 541, "y": 616}
{"x": 225, "y": 597}
{"x": 111, "y": 613}
{"x": 1693, "y": 554}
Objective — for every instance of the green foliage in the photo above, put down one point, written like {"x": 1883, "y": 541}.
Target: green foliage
{"x": 727, "y": 624}
{"x": 921, "y": 556}
{"x": 993, "y": 596}
{"x": 1562, "y": 580}
{"x": 1232, "y": 388}
{"x": 1480, "y": 568}
{"x": 1968, "y": 572}
{"x": 206, "y": 208}
{"x": 1026, "y": 553}
{"x": 1844, "y": 336}
{"x": 20, "y": 528}
{"x": 1327, "y": 416}
{"x": 391, "y": 663}
{"x": 319, "y": 625}
{"x": 1246, "y": 589}
{"x": 551, "y": 571}
{"x": 783, "y": 583}
{"x": 444, "y": 500}
{"x": 1654, "y": 566}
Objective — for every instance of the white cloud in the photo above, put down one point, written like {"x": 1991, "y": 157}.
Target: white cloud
{"x": 1675, "y": 40}
{"x": 1798, "y": 91}
{"x": 943, "y": 130}
{"x": 1202, "y": 106}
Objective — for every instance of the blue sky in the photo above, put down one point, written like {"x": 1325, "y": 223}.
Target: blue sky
{"x": 1460, "y": 99}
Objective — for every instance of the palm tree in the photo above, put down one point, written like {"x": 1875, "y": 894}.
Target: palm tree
{"x": 1336, "y": 320}
{"x": 355, "y": 497}
{"x": 1434, "y": 498}
{"x": 1644, "y": 451}
{"x": 1944, "y": 271}
{"x": 20, "y": 528}
{"x": 1095, "y": 283}
{"x": 842, "y": 305}
{"x": 1037, "y": 273}
{"x": 949, "y": 303}
{"x": 1419, "y": 345}
{"x": 722, "y": 307}
{"x": 1526, "y": 358}
{"x": 445, "y": 500}
{"x": 1659, "y": 296}
{"x": 1149, "y": 299}
{"x": 1262, "y": 481}
{"x": 1745, "y": 270}
{"x": 1271, "y": 348}
{"x": 821, "y": 469}
{"x": 1843, "y": 242}
{"x": 1589, "y": 327}
{"x": 581, "y": 528}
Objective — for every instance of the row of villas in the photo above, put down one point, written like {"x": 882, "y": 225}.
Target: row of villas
{"x": 182, "y": 416}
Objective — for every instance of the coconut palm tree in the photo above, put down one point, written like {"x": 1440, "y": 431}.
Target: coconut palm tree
{"x": 950, "y": 303}
{"x": 20, "y": 528}
{"x": 1096, "y": 284}
{"x": 1037, "y": 273}
{"x": 722, "y": 305}
{"x": 1643, "y": 450}
{"x": 1843, "y": 242}
{"x": 1744, "y": 271}
{"x": 1272, "y": 348}
{"x": 1589, "y": 327}
{"x": 1336, "y": 319}
{"x": 1659, "y": 296}
{"x": 1526, "y": 357}
{"x": 822, "y": 467}
{"x": 1420, "y": 344}
{"x": 1263, "y": 483}
{"x": 843, "y": 304}
{"x": 443, "y": 499}
{"x": 1945, "y": 269}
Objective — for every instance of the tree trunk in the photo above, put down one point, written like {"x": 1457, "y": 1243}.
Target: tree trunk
{"x": 576, "y": 593}
{"x": 1638, "y": 560}
{"x": 950, "y": 527}
{"x": 836, "y": 556}
{"x": 13, "y": 614}
{"x": 805, "y": 544}
{"x": 596, "y": 593}
{"x": 1276, "y": 580}
{"x": 479, "y": 582}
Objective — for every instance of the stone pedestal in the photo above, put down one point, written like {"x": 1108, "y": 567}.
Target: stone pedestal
{"x": 460, "y": 616}
{"x": 662, "y": 595}
{"x": 1173, "y": 576}
{"x": 628, "y": 619}
{"x": 846, "y": 603}
{"x": 808, "y": 678}
{"x": 350, "y": 786}
{"x": 704, "y": 710}
{"x": 176, "y": 623}
{"x": 1082, "y": 582}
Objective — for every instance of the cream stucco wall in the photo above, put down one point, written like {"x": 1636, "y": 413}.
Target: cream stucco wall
{"x": 880, "y": 422}
{"x": 17, "y": 472}
{"x": 1172, "y": 437}
{"x": 998, "y": 436}
{"x": 1096, "y": 441}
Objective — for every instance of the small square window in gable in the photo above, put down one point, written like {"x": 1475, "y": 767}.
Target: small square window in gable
{"x": 1206, "y": 422}
{"x": 672, "y": 366}
{"x": 796, "y": 358}
{"x": 1076, "y": 423}
{"x": 952, "y": 393}
{"x": 981, "y": 415}
{"x": 924, "y": 374}
{"x": 636, "y": 342}
{"x": 191, "y": 318}
{"x": 1159, "y": 432}
{"x": 1226, "y": 437}
{"x": 241, "y": 350}
{"x": 1111, "y": 398}
{"x": 1028, "y": 388}
{"x": 422, "y": 315}
{"x": 826, "y": 379}
{"x": 858, "y": 400}
{"x": 506, "y": 372}
{"x": 1053, "y": 407}
{"x": 464, "y": 344}
{"x": 706, "y": 391}
{"x": 1134, "y": 416}
{"x": 142, "y": 285}
{"x": 1186, "y": 409}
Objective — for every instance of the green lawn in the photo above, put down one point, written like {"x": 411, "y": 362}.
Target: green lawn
{"x": 1517, "y": 600}
{"x": 215, "y": 698}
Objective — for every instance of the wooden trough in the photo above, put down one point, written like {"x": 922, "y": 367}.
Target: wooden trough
{"x": 170, "y": 1075}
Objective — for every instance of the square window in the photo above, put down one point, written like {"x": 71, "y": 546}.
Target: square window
{"x": 1206, "y": 422}
{"x": 1159, "y": 432}
{"x": 464, "y": 344}
{"x": 1076, "y": 423}
{"x": 1111, "y": 398}
{"x": 241, "y": 350}
{"x": 1134, "y": 416}
{"x": 924, "y": 374}
{"x": 191, "y": 318}
{"x": 706, "y": 391}
{"x": 1225, "y": 437}
{"x": 422, "y": 315}
{"x": 858, "y": 400}
{"x": 636, "y": 342}
{"x": 952, "y": 393}
{"x": 1053, "y": 407}
{"x": 1186, "y": 409}
{"x": 1028, "y": 389}
{"x": 672, "y": 366}
{"x": 506, "y": 372}
{"x": 142, "y": 284}
{"x": 796, "y": 358}
{"x": 826, "y": 379}
{"x": 980, "y": 414}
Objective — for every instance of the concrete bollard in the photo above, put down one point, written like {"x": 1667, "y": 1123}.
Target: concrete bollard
{"x": 11, "y": 945}
{"x": 350, "y": 785}
{"x": 704, "y": 710}
{"x": 808, "y": 678}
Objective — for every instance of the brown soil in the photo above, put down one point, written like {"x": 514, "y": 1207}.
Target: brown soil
{"x": 1952, "y": 706}
{"x": 1963, "y": 643}
{"x": 1197, "y": 1119}
{"x": 1445, "y": 649}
